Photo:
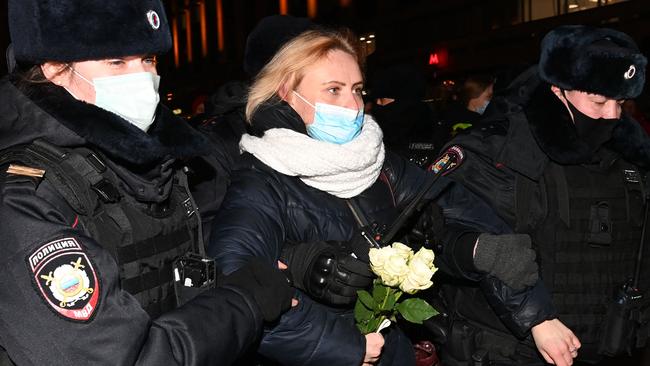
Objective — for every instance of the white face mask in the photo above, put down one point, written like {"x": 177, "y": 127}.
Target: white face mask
{"x": 133, "y": 97}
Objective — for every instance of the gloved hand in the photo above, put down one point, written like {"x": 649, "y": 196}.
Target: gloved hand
{"x": 429, "y": 228}
{"x": 326, "y": 271}
{"x": 270, "y": 287}
{"x": 508, "y": 257}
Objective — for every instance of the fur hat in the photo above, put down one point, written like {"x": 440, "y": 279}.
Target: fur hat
{"x": 595, "y": 60}
{"x": 80, "y": 30}
{"x": 268, "y": 36}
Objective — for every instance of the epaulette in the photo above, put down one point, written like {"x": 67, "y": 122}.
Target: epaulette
{"x": 14, "y": 174}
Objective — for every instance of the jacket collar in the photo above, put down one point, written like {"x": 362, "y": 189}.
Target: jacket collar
{"x": 169, "y": 137}
{"x": 553, "y": 128}
{"x": 276, "y": 115}
{"x": 540, "y": 129}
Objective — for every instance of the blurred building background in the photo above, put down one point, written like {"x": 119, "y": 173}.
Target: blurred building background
{"x": 445, "y": 38}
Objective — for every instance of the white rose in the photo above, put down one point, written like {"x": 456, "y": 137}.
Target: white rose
{"x": 426, "y": 255}
{"x": 410, "y": 287}
{"x": 403, "y": 250}
{"x": 378, "y": 259}
{"x": 395, "y": 270}
{"x": 419, "y": 276}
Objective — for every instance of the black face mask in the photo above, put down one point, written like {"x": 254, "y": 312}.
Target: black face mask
{"x": 594, "y": 132}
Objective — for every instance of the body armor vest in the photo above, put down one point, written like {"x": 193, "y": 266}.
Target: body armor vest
{"x": 145, "y": 238}
{"x": 588, "y": 241}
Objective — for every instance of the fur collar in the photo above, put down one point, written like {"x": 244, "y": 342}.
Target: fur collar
{"x": 631, "y": 141}
{"x": 553, "y": 129}
{"x": 168, "y": 137}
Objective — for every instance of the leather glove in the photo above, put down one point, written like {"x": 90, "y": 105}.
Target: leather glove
{"x": 508, "y": 257}
{"x": 327, "y": 271}
{"x": 269, "y": 287}
{"x": 429, "y": 228}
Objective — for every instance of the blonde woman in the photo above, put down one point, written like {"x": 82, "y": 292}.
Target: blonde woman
{"x": 294, "y": 107}
{"x": 310, "y": 156}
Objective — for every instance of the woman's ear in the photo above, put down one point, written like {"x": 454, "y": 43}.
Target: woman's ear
{"x": 55, "y": 72}
{"x": 284, "y": 92}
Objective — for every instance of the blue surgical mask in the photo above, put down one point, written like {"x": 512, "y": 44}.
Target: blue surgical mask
{"x": 481, "y": 109}
{"x": 334, "y": 124}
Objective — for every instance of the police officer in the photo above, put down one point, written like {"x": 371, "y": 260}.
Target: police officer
{"x": 405, "y": 119}
{"x": 101, "y": 239}
{"x": 561, "y": 162}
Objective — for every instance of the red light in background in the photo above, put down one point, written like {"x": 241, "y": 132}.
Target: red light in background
{"x": 438, "y": 58}
{"x": 433, "y": 59}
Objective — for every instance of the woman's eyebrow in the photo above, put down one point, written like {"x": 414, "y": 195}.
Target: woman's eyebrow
{"x": 341, "y": 83}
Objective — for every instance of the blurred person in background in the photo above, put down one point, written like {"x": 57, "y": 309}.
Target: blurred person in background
{"x": 397, "y": 94}
{"x": 473, "y": 98}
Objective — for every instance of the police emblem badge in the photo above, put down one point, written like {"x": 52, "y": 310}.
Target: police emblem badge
{"x": 449, "y": 161}
{"x": 66, "y": 278}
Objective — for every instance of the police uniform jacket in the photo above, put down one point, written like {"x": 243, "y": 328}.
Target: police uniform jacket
{"x": 507, "y": 165}
{"x": 50, "y": 262}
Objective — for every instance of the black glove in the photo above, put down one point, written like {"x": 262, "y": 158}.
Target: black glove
{"x": 270, "y": 287}
{"x": 508, "y": 257}
{"x": 429, "y": 228}
{"x": 327, "y": 271}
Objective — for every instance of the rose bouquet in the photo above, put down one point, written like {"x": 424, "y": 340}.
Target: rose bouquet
{"x": 399, "y": 271}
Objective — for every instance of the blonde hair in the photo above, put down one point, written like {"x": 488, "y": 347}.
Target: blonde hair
{"x": 289, "y": 63}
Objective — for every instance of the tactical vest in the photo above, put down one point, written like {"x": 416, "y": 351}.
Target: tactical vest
{"x": 587, "y": 222}
{"x": 145, "y": 238}
{"x": 588, "y": 241}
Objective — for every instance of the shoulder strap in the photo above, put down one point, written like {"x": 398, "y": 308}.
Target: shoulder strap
{"x": 191, "y": 209}
{"x": 75, "y": 174}
{"x": 49, "y": 158}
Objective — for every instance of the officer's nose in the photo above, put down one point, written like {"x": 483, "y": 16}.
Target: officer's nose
{"x": 611, "y": 109}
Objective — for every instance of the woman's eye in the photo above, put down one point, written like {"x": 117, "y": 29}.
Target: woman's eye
{"x": 115, "y": 62}
{"x": 334, "y": 90}
{"x": 358, "y": 91}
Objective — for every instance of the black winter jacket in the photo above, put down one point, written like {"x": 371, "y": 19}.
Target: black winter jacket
{"x": 212, "y": 329}
{"x": 509, "y": 152}
{"x": 263, "y": 209}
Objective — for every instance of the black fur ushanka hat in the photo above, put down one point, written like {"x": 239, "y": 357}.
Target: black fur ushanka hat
{"x": 594, "y": 60}
{"x": 80, "y": 30}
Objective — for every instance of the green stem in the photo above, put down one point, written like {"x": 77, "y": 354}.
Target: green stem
{"x": 398, "y": 294}
{"x": 381, "y": 320}
{"x": 386, "y": 297}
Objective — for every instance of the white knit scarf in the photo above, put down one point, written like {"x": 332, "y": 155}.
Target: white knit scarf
{"x": 342, "y": 170}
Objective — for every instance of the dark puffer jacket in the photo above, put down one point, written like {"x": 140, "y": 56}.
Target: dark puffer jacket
{"x": 264, "y": 209}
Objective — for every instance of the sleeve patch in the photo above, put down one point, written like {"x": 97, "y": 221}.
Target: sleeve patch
{"x": 449, "y": 161}
{"x": 65, "y": 278}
